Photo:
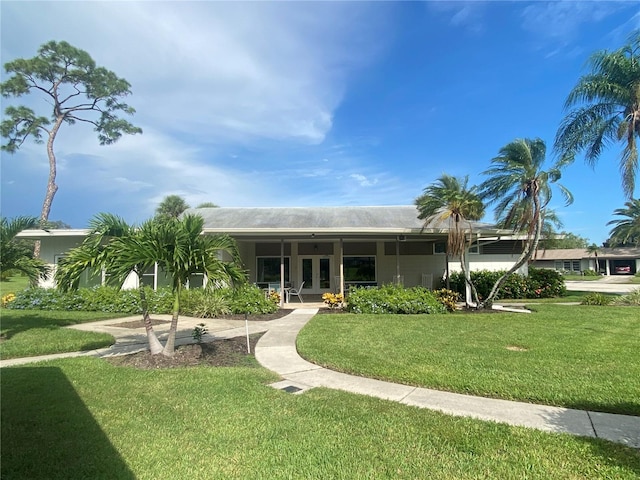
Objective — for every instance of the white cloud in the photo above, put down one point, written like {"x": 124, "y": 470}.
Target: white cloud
{"x": 218, "y": 70}
{"x": 561, "y": 20}
{"x": 467, "y": 14}
{"x": 363, "y": 181}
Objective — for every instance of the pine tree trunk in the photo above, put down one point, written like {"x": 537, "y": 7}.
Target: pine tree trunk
{"x": 52, "y": 188}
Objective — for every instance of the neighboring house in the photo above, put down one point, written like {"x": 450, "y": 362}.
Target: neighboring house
{"x": 328, "y": 248}
{"x": 610, "y": 261}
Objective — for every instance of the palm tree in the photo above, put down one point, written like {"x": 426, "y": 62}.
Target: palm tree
{"x": 605, "y": 108}
{"x": 521, "y": 191}
{"x": 180, "y": 249}
{"x": 449, "y": 199}
{"x": 16, "y": 255}
{"x": 171, "y": 207}
{"x": 593, "y": 249}
{"x": 626, "y": 230}
{"x": 96, "y": 253}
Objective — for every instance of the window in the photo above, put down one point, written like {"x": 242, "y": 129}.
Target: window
{"x": 268, "y": 269}
{"x": 149, "y": 277}
{"x": 567, "y": 265}
{"x": 360, "y": 269}
{"x": 440, "y": 247}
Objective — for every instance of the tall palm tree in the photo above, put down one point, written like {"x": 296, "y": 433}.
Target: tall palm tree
{"x": 627, "y": 230}
{"x": 15, "y": 255}
{"x": 96, "y": 253}
{"x": 593, "y": 249}
{"x": 172, "y": 206}
{"x": 604, "y": 107}
{"x": 521, "y": 191}
{"x": 449, "y": 199}
{"x": 180, "y": 249}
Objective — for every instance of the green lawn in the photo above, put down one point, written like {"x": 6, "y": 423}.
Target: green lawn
{"x": 581, "y": 278}
{"x": 27, "y": 333}
{"x": 84, "y": 418}
{"x": 13, "y": 284}
{"x": 573, "y": 356}
{"x": 572, "y": 296}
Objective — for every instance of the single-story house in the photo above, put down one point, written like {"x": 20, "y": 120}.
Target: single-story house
{"x": 608, "y": 261}
{"x": 327, "y": 249}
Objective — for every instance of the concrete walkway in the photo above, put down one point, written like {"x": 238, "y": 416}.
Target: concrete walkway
{"x": 276, "y": 350}
{"x": 133, "y": 340}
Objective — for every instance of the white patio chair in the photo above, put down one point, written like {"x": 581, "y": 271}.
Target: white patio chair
{"x": 296, "y": 292}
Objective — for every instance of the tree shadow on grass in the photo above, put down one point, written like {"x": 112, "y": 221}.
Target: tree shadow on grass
{"x": 13, "y": 325}
{"x": 48, "y": 432}
{"x": 616, "y": 435}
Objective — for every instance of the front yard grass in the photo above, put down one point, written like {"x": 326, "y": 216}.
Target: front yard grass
{"x": 13, "y": 284}
{"x": 583, "y": 357}
{"x": 572, "y": 296}
{"x": 85, "y": 418}
{"x": 28, "y": 333}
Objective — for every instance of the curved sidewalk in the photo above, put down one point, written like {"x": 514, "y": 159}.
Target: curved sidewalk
{"x": 276, "y": 350}
{"x": 132, "y": 340}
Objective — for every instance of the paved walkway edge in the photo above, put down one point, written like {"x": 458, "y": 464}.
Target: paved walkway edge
{"x": 276, "y": 350}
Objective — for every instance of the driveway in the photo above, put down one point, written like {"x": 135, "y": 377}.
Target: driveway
{"x": 608, "y": 284}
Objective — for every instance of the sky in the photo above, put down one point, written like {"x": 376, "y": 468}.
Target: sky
{"x": 277, "y": 104}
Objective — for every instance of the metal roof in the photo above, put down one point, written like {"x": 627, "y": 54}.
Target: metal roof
{"x": 291, "y": 221}
{"x": 580, "y": 253}
{"x": 381, "y": 219}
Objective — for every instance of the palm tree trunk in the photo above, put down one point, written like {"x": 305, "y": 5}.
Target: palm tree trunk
{"x": 155, "y": 347}
{"x": 527, "y": 252}
{"x": 169, "y": 347}
{"x": 469, "y": 283}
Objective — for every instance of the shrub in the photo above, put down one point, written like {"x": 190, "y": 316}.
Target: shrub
{"x": 333, "y": 300}
{"x": 596, "y": 298}
{"x": 630, "y": 299}
{"x": 211, "y": 303}
{"x": 590, "y": 273}
{"x": 251, "y": 299}
{"x": 8, "y": 298}
{"x": 197, "y": 302}
{"x": 394, "y": 299}
{"x": 448, "y": 298}
{"x": 541, "y": 283}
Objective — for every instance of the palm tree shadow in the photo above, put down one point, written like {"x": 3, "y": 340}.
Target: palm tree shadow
{"x": 12, "y": 327}
{"x": 48, "y": 432}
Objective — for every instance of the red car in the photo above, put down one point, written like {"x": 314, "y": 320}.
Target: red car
{"x": 623, "y": 270}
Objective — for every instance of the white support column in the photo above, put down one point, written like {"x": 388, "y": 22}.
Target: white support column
{"x": 341, "y": 269}
{"x": 282, "y": 292}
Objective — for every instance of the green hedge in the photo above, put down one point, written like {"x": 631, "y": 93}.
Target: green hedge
{"x": 394, "y": 299}
{"x": 197, "y": 302}
{"x": 541, "y": 283}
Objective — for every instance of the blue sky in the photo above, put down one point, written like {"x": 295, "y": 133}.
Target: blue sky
{"x": 313, "y": 104}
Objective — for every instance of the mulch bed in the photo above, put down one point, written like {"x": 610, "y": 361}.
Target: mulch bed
{"x": 230, "y": 352}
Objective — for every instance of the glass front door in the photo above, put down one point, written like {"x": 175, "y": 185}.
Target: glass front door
{"x": 315, "y": 272}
